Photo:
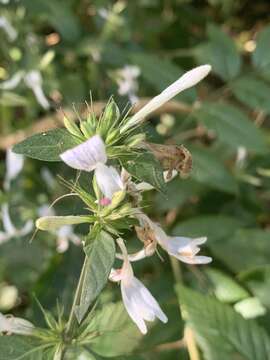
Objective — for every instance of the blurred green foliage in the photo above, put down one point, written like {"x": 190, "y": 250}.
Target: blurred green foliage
{"x": 78, "y": 47}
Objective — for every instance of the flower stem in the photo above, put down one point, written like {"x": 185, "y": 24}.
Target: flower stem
{"x": 72, "y": 321}
{"x": 189, "y": 338}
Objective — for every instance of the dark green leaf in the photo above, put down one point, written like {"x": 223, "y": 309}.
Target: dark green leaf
{"x": 100, "y": 257}
{"x": 231, "y": 126}
{"x": 209, "y": 170}
{"x": 258, "y": 281}
{"x": 215, "y": 227}
{"x": 253, "y": 92}
{"x": 113, "y": 320}
{"x": 221, "y": 332}
{"x": 14, "y": 347}
{"x": 221, "y": 53}
{"x": 253, "y": 243}
{"x": 261, "y": 55}
{"x": 46, "y": 146}
{"x": 145, "y": 167}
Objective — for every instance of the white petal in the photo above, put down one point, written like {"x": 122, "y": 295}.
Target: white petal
{"x": 108, "y": 180}
{"x": 8, "y": 28}
{"x": 132, "y": 309}
{"x": 196, "y": 260}
{"x": 13, "y": 82}
{"x": 26, "y": 229}
{"x": 14, "y": 164}
{"x": 186, "y": 81}
{"x": 20, "y": 326}
{"x": 151, "y": 301}
{"x": 87, "y": 155}
{"x": 41, "y": 98}
{"x": 9, "y": 228}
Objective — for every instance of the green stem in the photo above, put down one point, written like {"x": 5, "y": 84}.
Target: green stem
{"x": 72, "y": 321}
{"x": 176, "y": 270}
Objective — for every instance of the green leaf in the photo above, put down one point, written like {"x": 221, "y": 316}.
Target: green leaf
{"x": 261, "y": 55}
{"x": 226, "y": 289}
{"x": 46, "y": 146}
{"x": 253, "y": 243}
{"x": 19, "y": 347}
{"x": 252, "y": 92}
{"x": 9, "y": 98}
{"x": 215, "y": 227}
{"x": 258, "y": 281}
{"x": 250, "y": 308}
{"x": 100, "y": 257}
{"x": 113, "y": 321}
{"x": 231, "y": 126}
{"x": 151, "y": 65}
{"x": 221, "y": 332}
{"x": 221, "y": 53}
{"x": 209, "y": 170}
{"x": 144, "y": 167}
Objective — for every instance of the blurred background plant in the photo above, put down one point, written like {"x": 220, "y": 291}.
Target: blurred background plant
{"x": 52, "y": 54}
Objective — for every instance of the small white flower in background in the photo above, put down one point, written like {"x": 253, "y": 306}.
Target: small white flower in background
{"x": 13, "y": 82}
{"x": 64, "y": 235}
{"x": 241, "y": 157}
{"x": 186, "y": 81}
{"x": 14, "y": 164}
{"x": 8, "y": 296}
{"x": 138, "y": 301}
{"x": 32, "y": 80}
{"x": 91, "y": 155}
{"x": 15, "y": 325}
{"x": 8, "y": 28}
{"x": 127, "y": 82}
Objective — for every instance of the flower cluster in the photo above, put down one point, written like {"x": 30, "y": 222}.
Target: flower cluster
{"x": 118, "y": 196}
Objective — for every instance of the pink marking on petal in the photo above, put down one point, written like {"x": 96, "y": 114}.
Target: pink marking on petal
{"x": 105, "y": 201}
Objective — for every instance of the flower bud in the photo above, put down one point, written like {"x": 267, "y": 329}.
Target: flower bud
{"x": 47, "y": 223}
{"x": 72, "y": 127}
{"x": 135, "y": 140}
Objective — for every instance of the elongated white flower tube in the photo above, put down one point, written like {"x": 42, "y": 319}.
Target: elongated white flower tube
{"x": 15, "y": 325}
{"x": 186, "y": 81}
{"x": 33, "y": 80}
{"x": 138, "y": 301}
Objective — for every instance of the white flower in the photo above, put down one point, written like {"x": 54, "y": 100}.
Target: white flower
{"x": 91, "y": 155}
{"x": 10, "y": 230}
{"x": 183, "y": 248}
{"x": 8, "y": 28}
{"x": 64, "y": 235}
{"x": 108, "y": 180}
{"x": 33, "y": 80}
{"x": 13, "y": 82}
{"x": 14, "y": 165}
{"x": 138, "y": 301}
{"x": 15, "y": 325}
{"x": 127, "y": 82}
{"x": 186, "y": 81}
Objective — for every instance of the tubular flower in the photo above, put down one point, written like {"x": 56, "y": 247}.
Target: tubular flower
{"x": 15, "y": 325}
{"x": 138, "y": 301}
{"x": 183, "y": 248}
{"x": 186, "y": 81}
{"x": 91, "y": 155}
